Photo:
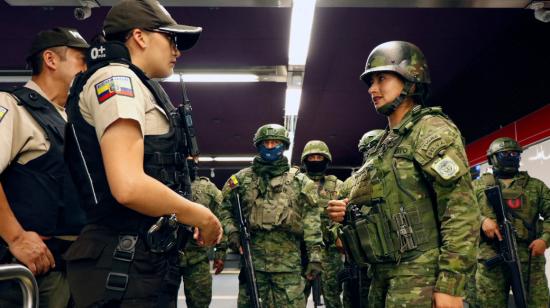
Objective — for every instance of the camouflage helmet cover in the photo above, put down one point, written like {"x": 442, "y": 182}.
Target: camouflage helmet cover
{"x": 271, "y": 132}
{"x": 402, "y": 58}
{"x": 503, "y": 144}
{"x": 316, "y": 147}
{"x": 369, "y": 138}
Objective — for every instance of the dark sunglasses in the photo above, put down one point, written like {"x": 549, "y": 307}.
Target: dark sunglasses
{"x": 172, "y": 37}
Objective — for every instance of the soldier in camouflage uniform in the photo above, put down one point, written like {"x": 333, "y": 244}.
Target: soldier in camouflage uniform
{"x": 195, "y": 266}
{"x": 281, "y": 206}
{"x": 414, "y": 223}
{"x": 528, "y": 200}
{"x": 367, "y": 141}
{"x": 315, "y": 159}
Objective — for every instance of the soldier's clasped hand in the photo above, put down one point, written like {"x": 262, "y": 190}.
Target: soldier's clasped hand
{"x": 337, "y": 209}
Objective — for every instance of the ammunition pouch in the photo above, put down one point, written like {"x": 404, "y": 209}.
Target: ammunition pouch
{"x": 383, "y": 239}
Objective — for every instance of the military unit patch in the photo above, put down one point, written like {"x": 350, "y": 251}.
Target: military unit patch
{"x": 446, "y": 168}
{"x": 3, "y": 112}
{"x": 116, "y": 85}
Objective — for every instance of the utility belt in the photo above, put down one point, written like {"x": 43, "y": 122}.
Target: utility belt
{"x": 165, "y": 237}
{"x": 370, "y": 237}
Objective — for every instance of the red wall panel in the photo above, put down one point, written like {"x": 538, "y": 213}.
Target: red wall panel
{"x": 527, "y": 130}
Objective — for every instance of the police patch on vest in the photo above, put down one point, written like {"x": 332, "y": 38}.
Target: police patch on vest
{"x": 3, "y": 112}
{"x": 445, "y": 167}
{"x": 116, "y": 85}
{"x": 514, "y": 203}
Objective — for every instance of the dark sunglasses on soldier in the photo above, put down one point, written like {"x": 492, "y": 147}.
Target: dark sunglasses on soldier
{"x": 172, "y": 37}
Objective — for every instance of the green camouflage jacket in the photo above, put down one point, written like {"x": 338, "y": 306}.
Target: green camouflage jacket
{"x": 206, "y": 193}
{"x": 527, "y": 199}
{"x": 420, "y": 169}
{"x": 279, "y": 218}
{"x": 328, "y": 188}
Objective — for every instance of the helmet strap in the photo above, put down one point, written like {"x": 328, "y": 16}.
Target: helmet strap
{"x": 390, "y": 108}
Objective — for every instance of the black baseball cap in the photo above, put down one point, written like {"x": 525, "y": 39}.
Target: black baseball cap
{"x": 148, "y": 15}
{"x": 55, "y": 37}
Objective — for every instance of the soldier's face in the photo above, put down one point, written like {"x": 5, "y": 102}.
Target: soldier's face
{"x": 162, "y": 54}
{"x": 384, "y": 88}
{"x": 270, "y": 144}
{"x": 315, "y": 157}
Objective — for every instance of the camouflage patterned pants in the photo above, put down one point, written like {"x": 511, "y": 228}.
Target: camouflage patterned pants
{"x": 197, "y": 284}
{"x": 332, "y": 264}
{"x": 493, "y": 285}
{"x": 409, "y": 284}
{"x": 276, "y": 290}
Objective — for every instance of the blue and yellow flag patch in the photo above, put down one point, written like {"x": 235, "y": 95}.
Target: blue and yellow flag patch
{"x": 3, "y": 112}
{"x": 116, "y": 85}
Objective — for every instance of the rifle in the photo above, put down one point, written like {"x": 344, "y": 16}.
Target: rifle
{"x": 316, "y": 291}
{"x": 351, "y": 276}
{"x": 185, "y": 113}
{"x": 507, "y": 247}
{"x": 244, "y": 233}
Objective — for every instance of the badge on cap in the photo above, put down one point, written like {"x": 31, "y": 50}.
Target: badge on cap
{"x": 446, "y": 168}
{"x": 116, "y": 85}
{"x": 3, "y": 112}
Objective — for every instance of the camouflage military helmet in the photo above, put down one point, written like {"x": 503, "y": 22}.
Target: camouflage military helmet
{"x": 369, "y": 139}
{"x": 503, "y": 144}
{"x": 316, "y": 147}
{"x": 402, "y": 58}
{"x": 271, "y": 132}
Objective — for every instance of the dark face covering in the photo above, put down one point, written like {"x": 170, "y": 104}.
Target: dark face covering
{"x": 316, "y": 167}
{"x": 506, "y": 164}
{"x": 272, "y": 154}
{"x": 193, "y": 169}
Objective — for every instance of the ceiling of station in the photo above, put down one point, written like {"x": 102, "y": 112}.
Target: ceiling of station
{"x": 488, "y": 59}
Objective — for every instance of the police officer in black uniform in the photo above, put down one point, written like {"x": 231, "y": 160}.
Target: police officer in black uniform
{"x": 39, "y": 211}
{"x": 127, "y": 152}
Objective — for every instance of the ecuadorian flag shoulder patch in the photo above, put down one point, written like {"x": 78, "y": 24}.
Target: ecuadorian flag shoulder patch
{"x": 3, "y": 112}
{"x": 115, "y": 85}
{"x": 233, "y": 182}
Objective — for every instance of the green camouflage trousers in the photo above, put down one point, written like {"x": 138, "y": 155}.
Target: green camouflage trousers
{"x": 276, "y": 290}
{"x": 332, "y": 264}
{"x": 197, "y": 284}
{"x": 53, "y": 292}
{"x": 409, "y": 284}
{"x": 493, "y": 285}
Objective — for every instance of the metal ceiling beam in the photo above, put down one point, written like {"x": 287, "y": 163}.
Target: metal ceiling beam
{"x": 288, "y": 3}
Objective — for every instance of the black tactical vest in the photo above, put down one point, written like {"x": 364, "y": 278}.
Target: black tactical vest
{"x": 40, "y": 192}
{"x": 164, "y": 159}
